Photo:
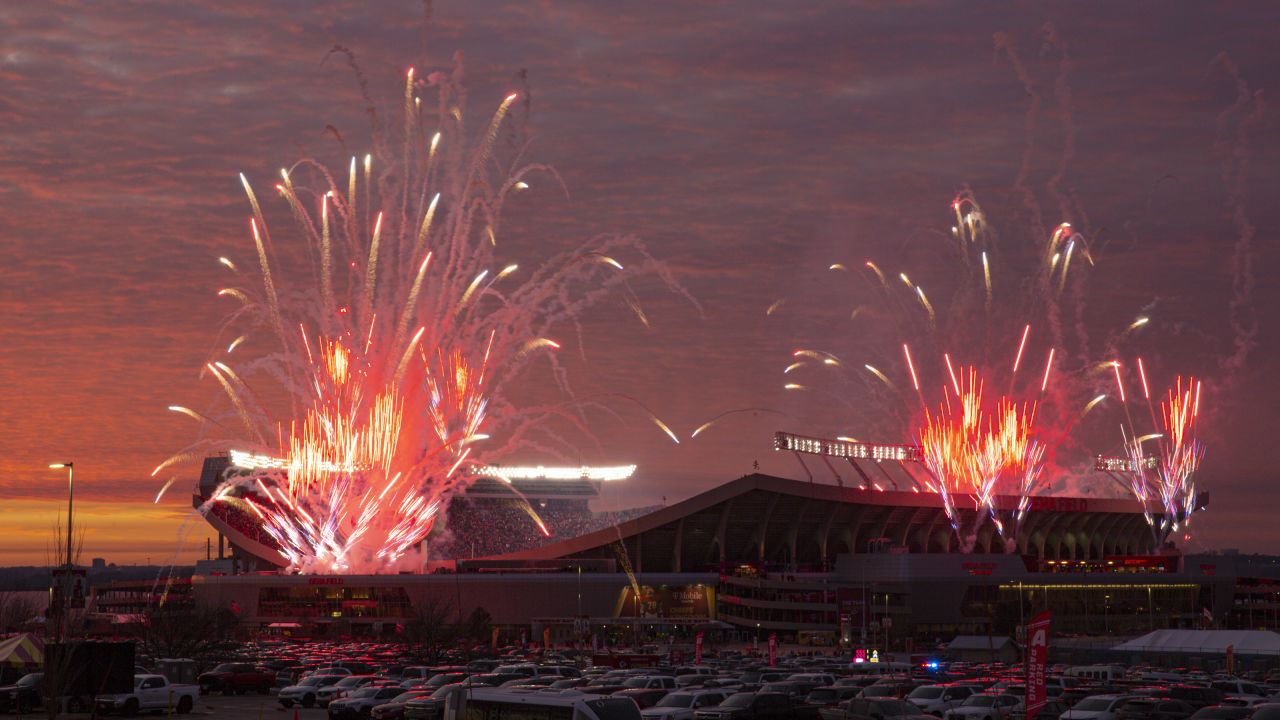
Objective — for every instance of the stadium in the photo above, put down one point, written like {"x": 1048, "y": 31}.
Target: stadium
{"x": 814, "y": 562}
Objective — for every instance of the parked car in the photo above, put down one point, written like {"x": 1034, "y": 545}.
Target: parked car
{"x": 665, "y": 682}
{"x": 1222, "y": 712}
{"x": 1051, "y": 710}
{"x": 794, "y": 689}
{"x": 983, "y": 707}
{"x": 748, "y": 706}
{"x": 643, "y": 697}
{"x": 937, "y": 699}
{"x": 430, "y": 707}
{"x": 1238, "y": 688}
{"x": 22, "y": 696}
{"x": 305, "y": 692}
{"x": 398, "y": 706}
{"x": 1147, "y": 708}
{"x": 395, "y": 707}
{"x": 887, "y": 689}
{"x": 150, "y": 692}
{"x": 341, "y": 689}
{"x": 360, "y": 703}
{"x": 863, "y": 709}
{"x": 681, "y": 705}
{"x": 830, "y": 696}
{"x": 1197, "y": 696}
{"x": 237, "y": 678}
{"x": 1096, "y": 707}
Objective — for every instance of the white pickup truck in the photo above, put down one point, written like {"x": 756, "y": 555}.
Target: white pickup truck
{"x": 150, "y": 692}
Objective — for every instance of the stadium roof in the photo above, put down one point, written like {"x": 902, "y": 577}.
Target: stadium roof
{"x": 1242, "y": 642}
{"x": 761, "y": 518}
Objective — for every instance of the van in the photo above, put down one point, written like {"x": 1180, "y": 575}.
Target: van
{"x": 482, "y": 703}
{"x": 532, "y": 670}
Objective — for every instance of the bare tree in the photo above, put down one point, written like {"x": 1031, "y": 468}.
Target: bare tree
{"x": 478, "y": 625}
{"x": 188, "y": 631}
{"x": 61, "y": 669}
{"x": 431, "y": 624}
{"x": 17, "y": 608}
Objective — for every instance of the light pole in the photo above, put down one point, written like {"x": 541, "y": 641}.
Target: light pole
{"x": 67, "y": 581}
{"x": 70, "y": 497}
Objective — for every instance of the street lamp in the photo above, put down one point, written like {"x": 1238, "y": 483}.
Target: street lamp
{"x": 66, "y": 579}
{"x": 70, "y": 495}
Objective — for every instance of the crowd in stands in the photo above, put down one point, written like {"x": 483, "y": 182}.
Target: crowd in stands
{"x": 244, "y": 522}
{"x": 474, "y": 527}
{"x": 486, "y": 527}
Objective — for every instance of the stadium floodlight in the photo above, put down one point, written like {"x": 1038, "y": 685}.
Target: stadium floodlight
{"x": 845, "y": 448}
{"x": 540, "y": 472}
{"x": 1104, "y": 463}
{"x": 249, "y": 461}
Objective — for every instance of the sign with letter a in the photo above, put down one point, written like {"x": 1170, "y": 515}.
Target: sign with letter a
{"x": 1037, "y": 634}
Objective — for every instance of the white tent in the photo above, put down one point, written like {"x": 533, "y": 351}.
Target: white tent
{"x": 982, "y": 648}
{"x": 1207, "y": 642}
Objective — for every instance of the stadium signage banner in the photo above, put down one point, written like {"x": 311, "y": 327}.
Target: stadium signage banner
{"x": 1059, "y": 504}
{"x": 324, "y": 581}
{"x": 1037, "y": 661}
{"x": 666, "y": 601}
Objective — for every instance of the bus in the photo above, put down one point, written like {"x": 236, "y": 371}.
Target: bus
{"x": 485, "y": 703}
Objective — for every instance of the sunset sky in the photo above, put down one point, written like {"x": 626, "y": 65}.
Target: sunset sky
{"x": 749, "y": 145}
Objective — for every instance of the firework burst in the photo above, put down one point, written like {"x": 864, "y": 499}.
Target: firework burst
{"x": 395, "y": 353}
{"x": 1164, "y": 483}
{"x": 975, "y": 447}
{"x": 972, "y": 449}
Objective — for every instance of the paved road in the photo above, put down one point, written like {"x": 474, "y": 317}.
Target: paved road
{"x": 251, "y": 707}
{"x": 221, "y": 707}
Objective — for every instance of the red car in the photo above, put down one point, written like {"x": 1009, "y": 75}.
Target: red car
{"x": 237, "y": 678}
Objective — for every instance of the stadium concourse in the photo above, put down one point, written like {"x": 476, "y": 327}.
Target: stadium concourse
{"x": 810, "y": 562}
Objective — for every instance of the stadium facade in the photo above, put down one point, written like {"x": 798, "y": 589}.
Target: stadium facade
{"x": 810, "y": 562}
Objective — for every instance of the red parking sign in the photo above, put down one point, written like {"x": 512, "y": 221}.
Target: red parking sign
{"x": 1037, "y": 661}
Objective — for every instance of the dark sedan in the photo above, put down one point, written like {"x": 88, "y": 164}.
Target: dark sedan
{"x": 22, "y": 696}
{"x": 1143, "y": 708}
{"x": 749, "y": 706}
{"x": 643, "y": 697}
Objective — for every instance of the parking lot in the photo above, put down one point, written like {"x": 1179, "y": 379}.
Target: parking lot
{"x": 229, "y": 707}
{"x": 247, "y": 707}
{"x": 801, "y": 683}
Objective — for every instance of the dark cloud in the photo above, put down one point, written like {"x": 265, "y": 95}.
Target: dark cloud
{"x": 749, "y": 144}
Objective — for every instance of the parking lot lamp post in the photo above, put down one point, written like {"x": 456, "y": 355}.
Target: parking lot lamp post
{"x": 66, "y": 578}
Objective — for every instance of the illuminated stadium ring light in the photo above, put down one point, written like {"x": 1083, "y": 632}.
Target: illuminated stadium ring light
{"x": 845, "y": 448}
{"x": 540, "y": 472}
{"x": 852, "y": 451}
{"x": 1109, "y": 464}
{"x": 250, "y": 461}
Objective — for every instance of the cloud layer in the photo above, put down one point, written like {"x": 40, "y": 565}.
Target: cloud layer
{"x": 751, "y": 145}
